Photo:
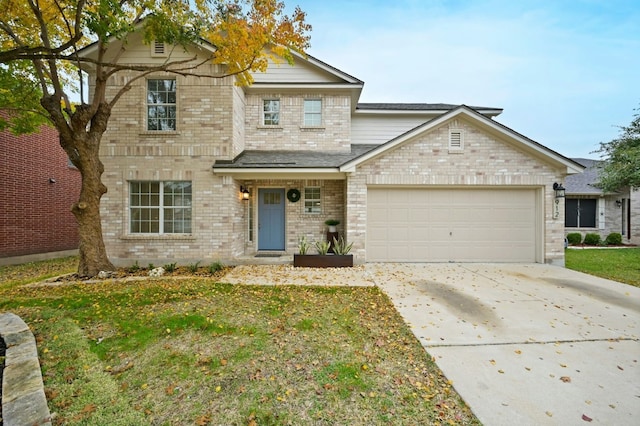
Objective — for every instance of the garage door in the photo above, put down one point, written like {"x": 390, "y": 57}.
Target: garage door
{"x": 451, "y": 225}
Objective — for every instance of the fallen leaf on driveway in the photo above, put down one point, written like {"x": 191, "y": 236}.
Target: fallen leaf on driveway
{"x": 586, "y": 418}
{"x": 566, "y": 379}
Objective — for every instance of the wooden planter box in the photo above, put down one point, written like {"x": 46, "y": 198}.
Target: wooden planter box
{"x": 323, "y": 261}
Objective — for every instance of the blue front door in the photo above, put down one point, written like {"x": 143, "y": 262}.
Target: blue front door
{"x": 270, "y": 219}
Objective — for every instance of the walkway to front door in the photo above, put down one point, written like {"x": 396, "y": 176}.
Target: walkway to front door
{"x": 271, "y": 219}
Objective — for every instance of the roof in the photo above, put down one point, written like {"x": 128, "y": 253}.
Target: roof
{"x": 415, "y": 107}
{"x": 584, "y": 183}
{"x": 253, "y": 159}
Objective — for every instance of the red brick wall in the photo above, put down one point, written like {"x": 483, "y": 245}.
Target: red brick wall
{"x": 35, "y": 215}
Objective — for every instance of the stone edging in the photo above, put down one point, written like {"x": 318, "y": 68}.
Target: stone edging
{"x": 23, "y": 398}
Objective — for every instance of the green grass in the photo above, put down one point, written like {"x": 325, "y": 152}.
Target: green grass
{"x": 621, "y": 265}
{"x": 195, "y": 351}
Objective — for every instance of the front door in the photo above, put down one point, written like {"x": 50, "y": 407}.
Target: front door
{"x": 270, "y": 219}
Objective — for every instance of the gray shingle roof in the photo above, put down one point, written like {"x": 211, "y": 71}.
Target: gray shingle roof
{"x": 583, "y": 183}
{"x": 292, "y": 159}
{"x": 415, "y": 107}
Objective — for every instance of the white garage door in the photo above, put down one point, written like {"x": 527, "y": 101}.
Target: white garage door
{"x": 451, "y": 225}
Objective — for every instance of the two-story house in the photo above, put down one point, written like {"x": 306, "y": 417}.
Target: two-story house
{"x": 200, "y": 169}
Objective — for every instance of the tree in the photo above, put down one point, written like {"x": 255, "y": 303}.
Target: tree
{"x": 41, "y": 68}
{"x": 621, "y": 163}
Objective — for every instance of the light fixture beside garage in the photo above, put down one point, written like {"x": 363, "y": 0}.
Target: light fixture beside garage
{"x": 559, "y": 190}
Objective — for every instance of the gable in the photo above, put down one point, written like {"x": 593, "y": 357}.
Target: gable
{"x": 305, "y": 69}
{"x": 483, "y": 131}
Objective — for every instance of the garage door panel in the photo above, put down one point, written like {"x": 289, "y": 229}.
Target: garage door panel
{"x": 438, "y": 225}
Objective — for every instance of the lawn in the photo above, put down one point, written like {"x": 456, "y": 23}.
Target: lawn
{"x": 621, "y": 265}
{"x": 196, "y": 351}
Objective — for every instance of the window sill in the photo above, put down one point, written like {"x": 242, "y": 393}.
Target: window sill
{"x": 267, "y": 127}
{"x": 312, "y": 128}
{"x": 159, "y": 237}
{"x": 159, "y": 133}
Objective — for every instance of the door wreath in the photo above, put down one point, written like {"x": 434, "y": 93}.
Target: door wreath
{"x": 293, "y": 195}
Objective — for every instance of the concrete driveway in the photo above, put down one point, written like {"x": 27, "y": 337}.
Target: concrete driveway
{"x": 525, "y": 344}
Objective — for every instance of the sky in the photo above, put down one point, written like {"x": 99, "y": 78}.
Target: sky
{"x": 566, "y": 72}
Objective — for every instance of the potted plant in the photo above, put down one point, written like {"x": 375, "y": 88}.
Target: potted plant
{"x": 332, "y": 223}
{"x": 323, "y": 259}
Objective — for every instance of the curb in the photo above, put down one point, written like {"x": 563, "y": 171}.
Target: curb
{"x": 23, "y": 398}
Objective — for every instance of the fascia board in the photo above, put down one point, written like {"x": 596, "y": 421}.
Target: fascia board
{"x": 276, "y": 173}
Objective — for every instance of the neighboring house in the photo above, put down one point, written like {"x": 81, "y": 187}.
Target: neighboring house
{"x": 590, "y": 210}
{"x": 38, "y": 189}
{"x": 409, "y": 182}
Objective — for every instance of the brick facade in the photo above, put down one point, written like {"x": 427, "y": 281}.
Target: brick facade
{"x": 485, "y": 161}
{"x": 36, "y": 212}
{"x": 217, "y": 120}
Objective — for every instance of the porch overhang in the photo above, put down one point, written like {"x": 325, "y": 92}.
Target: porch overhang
{"x": 280, "y": 173}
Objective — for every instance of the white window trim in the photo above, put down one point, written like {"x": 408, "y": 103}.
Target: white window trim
{"x": 263, "y": 113}
{"x": 146, "y": 130}
{"x": 319, "y": 199}
{"x": 304, "y": 114}
{"x": 161, "y": 209}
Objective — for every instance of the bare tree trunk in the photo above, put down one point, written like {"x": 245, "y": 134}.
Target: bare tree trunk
{"x": 93, "y": 255}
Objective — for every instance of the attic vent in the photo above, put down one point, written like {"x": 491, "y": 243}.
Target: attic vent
{"x": 158, "y": 49}
{"x": 455, "y": 140}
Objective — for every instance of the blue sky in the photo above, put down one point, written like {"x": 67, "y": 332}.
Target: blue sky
{"x": 567, "y": 73}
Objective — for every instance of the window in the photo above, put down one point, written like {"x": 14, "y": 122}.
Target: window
{"x": 271, "y": 112}
{"x": 580, "y": 212}
{"x": 161, "y": 105}
{"x": 455, "y": 140}
{"x": 160, "y": 207}
{"x": 313, "y": 112}
{"x": 312, "y": 200}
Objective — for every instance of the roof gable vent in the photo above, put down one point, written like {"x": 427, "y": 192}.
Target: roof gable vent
{"x": 158, "y": 49}
{"x": 456, "y": 141}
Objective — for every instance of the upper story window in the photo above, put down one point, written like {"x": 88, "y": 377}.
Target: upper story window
{"x": 161, "y": 104}
{"x": 580, "y": 212}
{"x": 312, "y": 200}
{"x": 271, "y": 112}
{"x": 313, "y": 112}
{"x": 160, "y": 207}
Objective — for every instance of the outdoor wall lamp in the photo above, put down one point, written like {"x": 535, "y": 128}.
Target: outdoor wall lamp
{"x": 559, "y": 190}
{"x": 618, "y": 203}
{"x": 245, "y": 193}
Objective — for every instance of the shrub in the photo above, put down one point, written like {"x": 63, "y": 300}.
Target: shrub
{"x": 134, "y": 268}
{"x": 574, "y": 238}
{"x": 193, "y": 267}
{"x": 151, "y": 266}
{"x": 170, "y": 267}
{"x": 215, "y": 267}
{"x": 592, "y": 239}
{"x": 613, "y": 239}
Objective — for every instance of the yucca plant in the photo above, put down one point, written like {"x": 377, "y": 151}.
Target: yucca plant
{"x": 303, "y": 245}
{"x": 322, "y": 247}
{"x": 340, "y": 246}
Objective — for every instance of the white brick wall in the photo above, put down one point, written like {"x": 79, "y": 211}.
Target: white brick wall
{"x": 484, "y": 162}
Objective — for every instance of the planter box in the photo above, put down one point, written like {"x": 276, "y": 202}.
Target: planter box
{"x": 323, "y": 261}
